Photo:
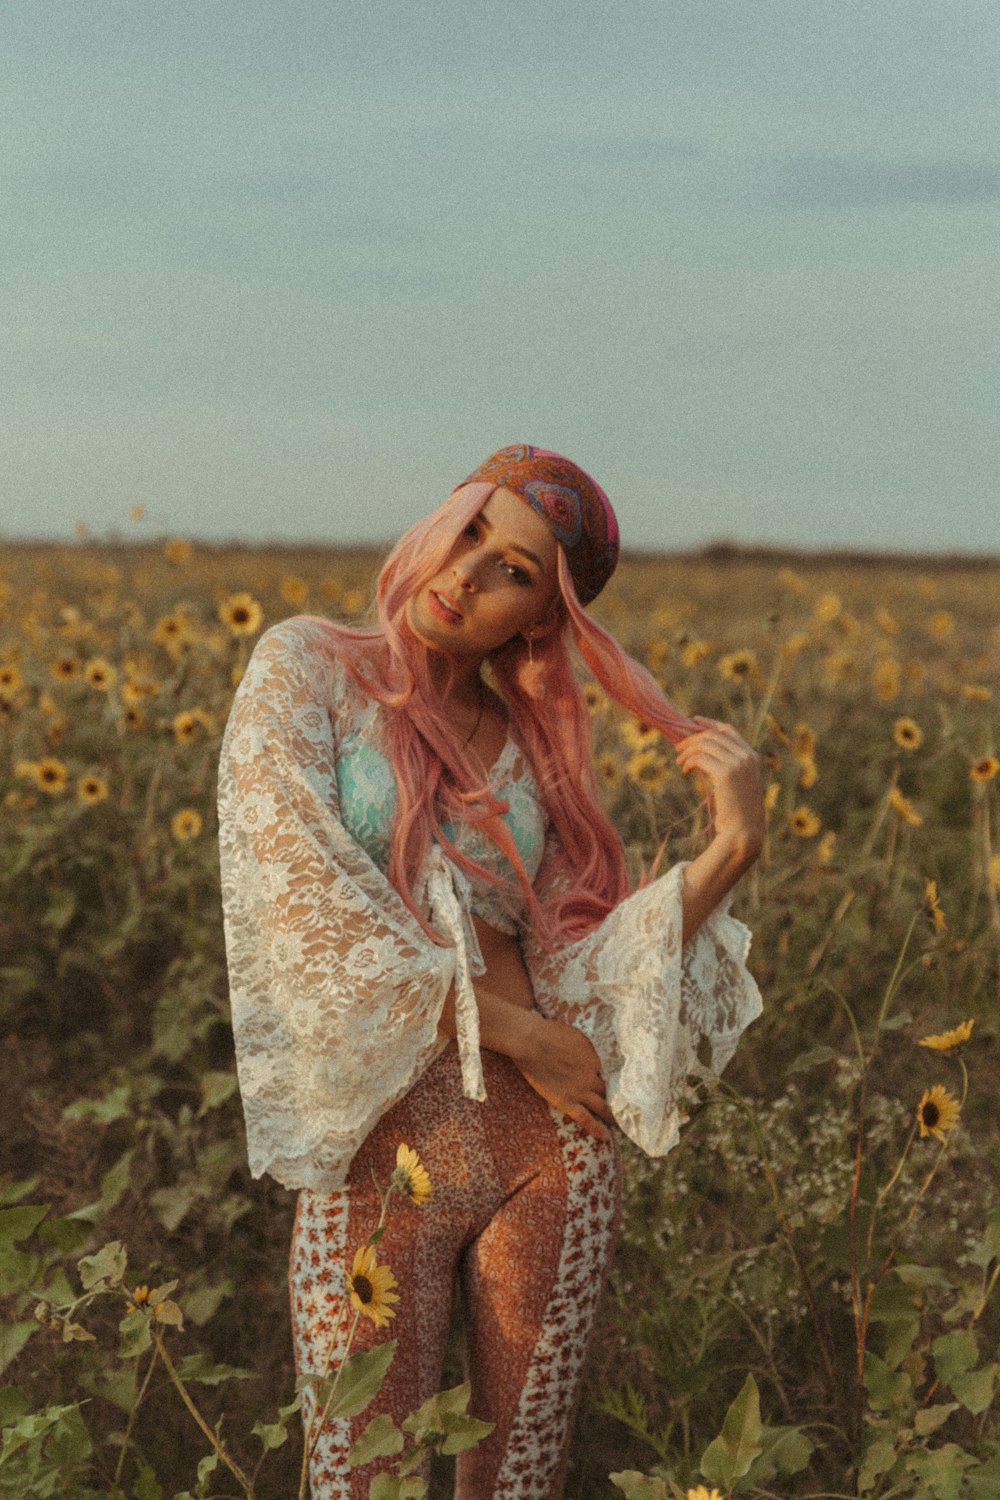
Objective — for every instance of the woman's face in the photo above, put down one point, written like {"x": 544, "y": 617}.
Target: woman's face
{"x": 499, "y": 580}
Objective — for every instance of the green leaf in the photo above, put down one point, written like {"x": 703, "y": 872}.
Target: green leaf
{"x": 116, "y": 1181}
{"x": 988, "y": 1248}
{"x": 895, "y": 1023}
{"x": 136, "y": 1337}
{"x": 930, "y": 1418}
{"x": 784, "y": 1450}
{"x": 878, "y": 1460}
{"x": 954, "y": 1353}
{"x": 107, "y": 1265}
{"x": 65, "y": 1234}
{"x": 983, "y": 1483}
{"x": 892, "y": 1304}
{"x": 113, "y": 1106}
{"x": 13, "y": 1404}
{"x": 391, "y": 1487}
{"x": 29, "y": 1428}
{"x": 13, "y": 1337}
{"x": 15, "y": 1191}
{"x": 380, "y": 1439}
{"x": 273, "y": 1434}
{"x": 206, "y": 1466}
{"x": 430, "y": 1416}
{"x": 636, "y": 1486}
{"x": 729, "y": 1456}
{"x": 119, "y": 1384}
{"x": 145, "y": 1486}
{"x": 18, "y": 1223}
{"x": 360, "y": 1381}
{"x": 941, "y": 1469}
{"x": 921, "y": 1276}
{"x": 975, "y": 1388}
{"x": 216, "y": 1088}
{"x": 812, "y": 1059}
{"x": 172, "y": 1203}
{"x": 202, "y": 1369}
{"x": 886, "y": 1388}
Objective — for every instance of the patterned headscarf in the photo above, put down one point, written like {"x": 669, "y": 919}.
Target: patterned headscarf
{"x": 575, "y": 507}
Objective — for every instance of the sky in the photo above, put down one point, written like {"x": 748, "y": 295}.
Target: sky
{"x": 290, "y": 271}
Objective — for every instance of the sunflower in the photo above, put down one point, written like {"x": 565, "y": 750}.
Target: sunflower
{"x": 594, "y": 698}
{"x": 185, "y": 824}
{"x": 934, "y": 907}
{"x": 945, "y": 1041}
{"x": 241, "y": 613}
{"x": 11, "y": 680}
{"x": 827, "y": 607}
{"x": 907, "y": 734}
{"x": 904, "y": 808}
{"x": 795, "y": 645}
{"x": 169, "y": 629}
{"x": 976, "y": 692}
{"x": 637, "y": 734}
{"x": 886, "y": 622}
{"x": 803, "y": 822}
{"x": 294, "y": 590}
{"x": 803, "y": 742}
{"x": 886, "y": 678}
{"x": 353, "y": 602}
{"x": 191, "y": 724}
{"x": 994, "y": 871}
{"x": 701, "y": 1493}
{"x": 100, "y": 674}
{"x": 789, "y": 579}
{"x": 609, "y": 769}
{"x": 133, "y": 718}
{"x": 66, "y": 668}
{"x": 51, "y": 775}
{"x": 411, "y": 1179}
{"x": 738, "y": 666}
{"x": 373, "y": 1287}
{"x": 91, "y": 789}
{"x": 809, "y": 773}
{"x": 985, "y": 769}
{"x": 177, "y": 550}
{"x": 771, "y": 795}
{"x": 941, "y": 624}
{"x": 937, "y": 1112}
{"x": 648, "y": 769}
{"x": 825, "y": 848}
{"x": 692, "y": 652}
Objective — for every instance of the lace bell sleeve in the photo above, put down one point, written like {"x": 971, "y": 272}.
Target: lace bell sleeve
{"x": 655, "y": 1009}
{"x": 335, "y": 989}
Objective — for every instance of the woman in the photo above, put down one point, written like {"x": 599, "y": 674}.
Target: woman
{"x": 431, "y": 939}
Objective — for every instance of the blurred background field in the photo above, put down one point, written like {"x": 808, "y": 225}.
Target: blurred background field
{"x": 854, "y": 1281}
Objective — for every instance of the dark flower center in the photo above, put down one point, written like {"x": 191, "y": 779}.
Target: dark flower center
{"x": 931, "y": 1114}
{"x": 363, "y": 1288}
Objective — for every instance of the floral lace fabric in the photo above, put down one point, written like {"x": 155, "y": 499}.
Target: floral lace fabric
{"x": 335, "y": 989}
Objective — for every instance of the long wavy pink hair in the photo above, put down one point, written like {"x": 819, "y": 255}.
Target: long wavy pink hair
{"x": 438, "y": 782}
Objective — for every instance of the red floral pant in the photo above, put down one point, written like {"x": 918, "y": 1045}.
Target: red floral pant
{"x": 523, "y": 1217}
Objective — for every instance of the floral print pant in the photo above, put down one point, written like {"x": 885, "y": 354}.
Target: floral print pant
{"x": 523, "y": 1218}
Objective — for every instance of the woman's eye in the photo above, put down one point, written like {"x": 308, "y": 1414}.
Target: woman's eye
{"x": 471, "y": 531}
{"x": 517, "y": 574}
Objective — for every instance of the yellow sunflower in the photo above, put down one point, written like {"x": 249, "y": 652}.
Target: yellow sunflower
{"x": 985, "y": 769}
{"x": 808, "y": 774}
{"x": 373, "y": 1287}
{"x": 738, "y": 666}
{"x": 51, "y": 775}
{"x": 91, "y": 789}
{"x": 771, "y": 795}
{"x": 637, "y": 734}
{"x": 886, "y": 622}
{"x": 907, "y": 734}
{"x": 411, "y": 1178}
{"x": 185, "y": 824}
{"x": 100, "y": 674}
{"x": 803, "y": 822}
{"x": 934, "y": 906}
{"x": 177, "y": 550}
{"x": 795, "y": 645}
{"x": 938, "y": 1112}
{"x": 66, "y": 668}
{"x": 648, "y": 769}
{"x": 594, "y": 698}
{"x": 904, "y": 808}
{"x": 886, "y": 678}
{"x": 191, "y": 725}
{"x": 945, "y": 1041}
{"x": 701, "y": 1493}
{"x": 941, "y": 624}
{"x": 294, "y": 590}
{"x": 825, "y": 848}
{"x": 11, "y": 680}
{"x": 827, "y": 607}
{"x": 692, "y": 652}
{"x": 169, "y": 629}
{"x": 353, "y": 602}
{"x": 241, "y": 613}
{"x": 976, "y": 692}
{"x": 609, "y": 769}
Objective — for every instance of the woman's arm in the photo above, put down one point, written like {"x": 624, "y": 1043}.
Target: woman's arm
{"x": 736, "y": 798}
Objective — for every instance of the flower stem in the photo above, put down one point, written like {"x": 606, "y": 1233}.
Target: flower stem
{"x": 219, "y": 1447}
{"x": 132, "y": 1416}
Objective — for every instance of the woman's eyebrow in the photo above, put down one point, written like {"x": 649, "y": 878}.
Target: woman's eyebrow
{"x": 514, "y": 546}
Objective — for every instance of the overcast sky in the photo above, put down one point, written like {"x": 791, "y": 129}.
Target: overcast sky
{"x": 292, "y": 270}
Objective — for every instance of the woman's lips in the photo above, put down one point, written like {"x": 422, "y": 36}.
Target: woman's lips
{"x": 440, "y": 606}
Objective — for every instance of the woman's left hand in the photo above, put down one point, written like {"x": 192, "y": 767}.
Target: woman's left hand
{"x": 735, "y": 793}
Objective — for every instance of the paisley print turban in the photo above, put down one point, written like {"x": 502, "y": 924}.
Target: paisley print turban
{"x": 575, "y": 507}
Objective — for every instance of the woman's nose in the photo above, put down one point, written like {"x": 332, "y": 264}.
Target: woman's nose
{"x": 464, "y": 571}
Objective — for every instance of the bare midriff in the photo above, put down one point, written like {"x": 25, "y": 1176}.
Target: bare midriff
{"x": 505, "y": 974}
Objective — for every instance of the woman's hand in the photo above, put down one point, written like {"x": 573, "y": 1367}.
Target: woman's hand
{"x": 735, "y": 794}
{"x": 562, "y": 1066}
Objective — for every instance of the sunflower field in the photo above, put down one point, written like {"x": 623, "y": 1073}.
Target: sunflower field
{"x": 804, "y": 1297}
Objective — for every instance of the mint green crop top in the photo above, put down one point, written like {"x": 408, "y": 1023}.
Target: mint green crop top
{"x": 367, "y": 790}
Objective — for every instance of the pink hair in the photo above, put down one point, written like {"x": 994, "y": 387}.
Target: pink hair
{"x": 437, "y": 781}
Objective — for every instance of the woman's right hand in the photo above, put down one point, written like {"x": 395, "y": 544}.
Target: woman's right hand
{"x": 563, "y": 1067}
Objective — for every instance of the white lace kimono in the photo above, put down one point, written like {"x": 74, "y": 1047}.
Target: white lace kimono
{"x": 336, "y": 991}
